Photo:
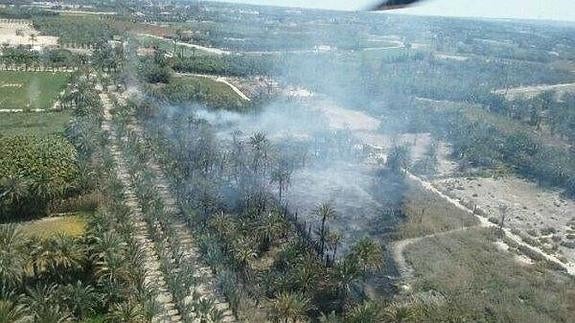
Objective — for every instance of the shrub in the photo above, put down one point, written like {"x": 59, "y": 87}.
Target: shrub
{"x": 548, "y": 230}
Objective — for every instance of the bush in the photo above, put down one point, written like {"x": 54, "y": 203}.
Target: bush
{"x": 570, "y": 191}
{"x": 547, "y": 231}
{"x": 156, "y": 74}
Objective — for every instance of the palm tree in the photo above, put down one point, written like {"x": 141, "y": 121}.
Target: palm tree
{"x": 368, "y": 254}
{"x": 222, "y": 223}
{"x": 13, "y": 188}
{"x": 112, "y": 272}
{"x": 126, "y": 312}
{"x": 12, "y": 255}
{"x": 289, "y": 307}
{"x": 12, "y": 312}
{"x": 333, "y": 239}
{"x": 368, "y": 312}
{"x": 399, "y": 313}
{"x": 306, "y": 276}
{"x": 81, "y": 299}
{"x": 260, "y": 146}
{"x": 244, "y": 252}
{"x": 205, "y": 310}
{"x": 59, "y": 256}
{"x": 281, "y": 176}
{"x": 42, "y": 304}
{"x": 271, "y": 227}
{"x": 108, "y": 242}
{"x": 324, "y": 211}
{"x": 52, "y": 314}
{"x": 347, "y": 276}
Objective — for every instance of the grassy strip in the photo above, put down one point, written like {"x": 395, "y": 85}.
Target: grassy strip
{"x": 192, "y": 89}
{"x": 427, "y": 213}
{"x": 71, "y": 225}
{"x": 479, "y": 282}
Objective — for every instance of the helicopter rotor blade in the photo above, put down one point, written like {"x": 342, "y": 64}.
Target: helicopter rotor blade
{"x": 393, "y": 4}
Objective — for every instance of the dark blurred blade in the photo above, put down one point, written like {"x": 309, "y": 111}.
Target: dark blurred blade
{"x": 393, "y": 4}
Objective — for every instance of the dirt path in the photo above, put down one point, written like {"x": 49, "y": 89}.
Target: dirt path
{"x": 21, "y": 110}
{"x": 219, "y": 79}
{"x": 398, "y": 248}
{"x": 154, "y": 278}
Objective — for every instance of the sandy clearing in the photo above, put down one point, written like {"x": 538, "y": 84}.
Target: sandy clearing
{"x": 15, "y": 34}
{"x": 341, "y": 118}
{"x": 398, "y": 251}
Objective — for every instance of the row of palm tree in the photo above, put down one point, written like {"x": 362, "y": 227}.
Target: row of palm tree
{"x": 181, "y": 275}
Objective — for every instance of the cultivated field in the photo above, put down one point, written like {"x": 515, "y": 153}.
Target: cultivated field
{"x": 41, "y": 124}
{"x": 30, "y": 90}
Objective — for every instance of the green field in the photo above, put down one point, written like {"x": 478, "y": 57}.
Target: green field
{"x": 72, "y": 225}
{"x": 33, "y": 90}
{"x": 214, "y": 94}
{"x": 40, "y": 124}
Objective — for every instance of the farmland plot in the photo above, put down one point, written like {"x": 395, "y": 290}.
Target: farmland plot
{"x": 30, "y": 90}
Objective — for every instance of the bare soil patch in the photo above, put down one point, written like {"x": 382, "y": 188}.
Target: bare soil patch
{"x": 15, "y": 34}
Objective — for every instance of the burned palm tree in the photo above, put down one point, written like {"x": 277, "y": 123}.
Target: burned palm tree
{"x": 324, "y": 211}
{"x": 282, "y": 177}
{"x": 333, "y": 240}
{"x": 260, "y": 149}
